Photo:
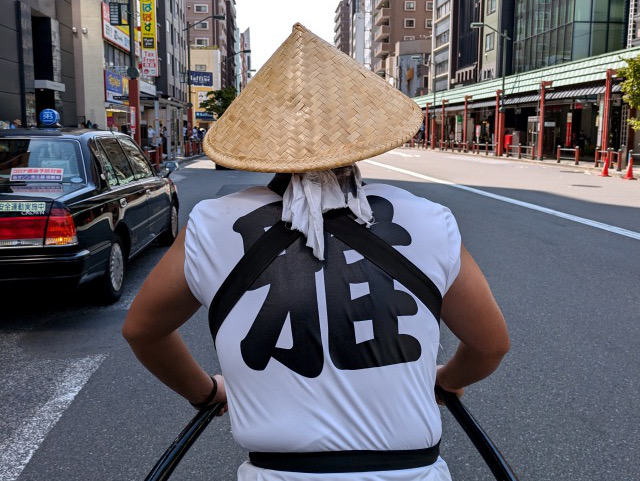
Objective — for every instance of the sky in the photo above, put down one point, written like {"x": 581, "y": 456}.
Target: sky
{"x": 270, "y": 22}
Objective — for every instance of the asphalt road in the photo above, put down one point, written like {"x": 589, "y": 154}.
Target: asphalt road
{"x": 557, "y": 245}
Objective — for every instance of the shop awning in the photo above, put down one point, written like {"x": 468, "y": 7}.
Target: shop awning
{"x": 569, "y": 80}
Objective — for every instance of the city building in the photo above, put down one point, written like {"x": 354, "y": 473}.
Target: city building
{"x": 546, "y": 104}
{"x": 245, "y": 59}
{"x": 37, "y": 61}
{"x": 397, "y": 21}
{"x": 633, "y": 36}
{"x": 209, "y": 32}
{"x": 205, "y": 77}
{"x": 413, "y": 59}
{"x": 231, "y": 69}
{"x": 342, "y": 21}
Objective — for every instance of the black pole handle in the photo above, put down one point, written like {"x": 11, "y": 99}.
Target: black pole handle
{"x": 174, "y": 454}
{"x": 487, "y": 449}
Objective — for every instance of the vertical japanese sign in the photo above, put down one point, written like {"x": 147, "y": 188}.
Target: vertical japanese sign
{"x": 148, "y": 31}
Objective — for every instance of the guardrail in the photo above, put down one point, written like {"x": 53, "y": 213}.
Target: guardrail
{"x": 486, "y": 147}
{"x": 574, "y": 154}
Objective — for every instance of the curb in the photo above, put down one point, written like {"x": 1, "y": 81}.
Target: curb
{"x": 551, "y": 162}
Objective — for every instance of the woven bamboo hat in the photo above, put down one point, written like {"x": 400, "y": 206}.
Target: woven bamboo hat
{"x": 311, "y": 107}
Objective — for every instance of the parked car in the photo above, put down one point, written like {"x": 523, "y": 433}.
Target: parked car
{"x": 77, "y": 205}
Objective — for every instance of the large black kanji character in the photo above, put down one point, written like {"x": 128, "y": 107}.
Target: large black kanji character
{"x": 292, "y": 293}
{"x": 380, "y": 307}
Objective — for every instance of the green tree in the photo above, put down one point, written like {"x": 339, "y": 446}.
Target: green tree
{"x": 631, "y": 87}
{"x": 218, "y": 101}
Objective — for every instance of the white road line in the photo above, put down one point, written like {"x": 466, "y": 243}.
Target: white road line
{"x": 16, "y": 451}
{"x": 574, "y": 218}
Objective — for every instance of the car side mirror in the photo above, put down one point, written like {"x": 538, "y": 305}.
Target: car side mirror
{"x": 169, "y": 167}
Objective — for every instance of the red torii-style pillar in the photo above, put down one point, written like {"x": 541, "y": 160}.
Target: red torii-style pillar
{"x": 464, "y": 121}
{"x": 607, "y": 109}
{"x": 498, "y": 134}
{"x": 543, "y": 87}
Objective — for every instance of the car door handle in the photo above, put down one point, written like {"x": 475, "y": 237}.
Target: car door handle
{"x": 123, "y": 202}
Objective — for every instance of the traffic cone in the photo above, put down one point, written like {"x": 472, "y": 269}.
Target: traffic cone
{"x": 629, "y": 175}
{"x": 605, "y": 168}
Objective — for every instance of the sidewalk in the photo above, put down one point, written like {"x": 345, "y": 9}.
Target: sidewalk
{"x": 586, "y": 166}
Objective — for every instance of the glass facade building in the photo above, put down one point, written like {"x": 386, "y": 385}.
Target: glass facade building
{"x": 553, "y": 32}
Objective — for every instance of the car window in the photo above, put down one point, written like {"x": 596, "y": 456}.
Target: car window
{"x": 141, "y": 169}
{"x": 38, "y": 160}
{"x": 107, "y": 168}
{"x": 117, "y": 159}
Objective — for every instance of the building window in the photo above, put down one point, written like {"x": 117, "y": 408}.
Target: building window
{"x": 443, "y": 10}
{"x": 429, "y": 6}
{"x": 201, "y": 67}
{"x": 201, "y": 26}
{"x": 202, "y": 42}
{"x": 428, "y": 23}
{"x": 490, "y": 42}
{"x": 199, "y": 8}
{"x": 408, "y": 37}
{"x": 409, "y": 23}
{"x": 410, "y": 6}
{"x": 491, "y": 6}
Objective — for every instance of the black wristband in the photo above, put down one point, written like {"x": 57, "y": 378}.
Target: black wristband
{"x": 210, "y": 397}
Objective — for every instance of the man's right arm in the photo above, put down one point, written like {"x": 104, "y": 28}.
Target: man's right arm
{"x": 471, "y": 312}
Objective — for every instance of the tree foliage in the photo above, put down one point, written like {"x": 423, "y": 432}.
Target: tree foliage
{"x": 631, "y": 87}
{"x": 218, "y": 101}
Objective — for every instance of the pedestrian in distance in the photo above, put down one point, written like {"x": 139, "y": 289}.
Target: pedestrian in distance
{"x": 16, "y": 124}
{"x": 328, "y": 353}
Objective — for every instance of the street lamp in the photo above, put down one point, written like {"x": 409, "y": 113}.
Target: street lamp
{"x": 188, "y": 30}
{"x": 505, "y": 39}
{"x": 232, "y": 78}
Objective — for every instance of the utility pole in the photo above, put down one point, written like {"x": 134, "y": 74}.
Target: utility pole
{"x": 133, "y": 73}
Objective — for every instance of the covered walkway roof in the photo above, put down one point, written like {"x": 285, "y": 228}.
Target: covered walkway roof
{"x": 592, "y": 70}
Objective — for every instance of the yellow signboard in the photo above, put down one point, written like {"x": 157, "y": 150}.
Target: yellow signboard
{"x": 148, "y": 33}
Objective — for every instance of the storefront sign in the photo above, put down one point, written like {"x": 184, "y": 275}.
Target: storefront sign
{"x": 132, "y": 119}
{"x": 118, "y": 13}
{"x": 149, "y": 42}
{"x": 114, "y": 87}
{"x": 116, "y": 35}
{"x": 204, "y": 116}
{"x": 201, "y": 79}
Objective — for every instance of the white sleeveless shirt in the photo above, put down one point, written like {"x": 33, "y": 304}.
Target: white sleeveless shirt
{"x": 332, "y": 355}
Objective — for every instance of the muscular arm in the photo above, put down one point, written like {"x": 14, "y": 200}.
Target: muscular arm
{"x": 163, "y": 304}
{"x": 471, "y": 312}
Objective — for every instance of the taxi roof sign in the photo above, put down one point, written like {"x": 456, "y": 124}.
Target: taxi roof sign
{"x": 49, "y": 117}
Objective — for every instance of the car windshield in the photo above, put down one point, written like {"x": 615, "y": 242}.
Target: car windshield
{"x": 27, "y": 161}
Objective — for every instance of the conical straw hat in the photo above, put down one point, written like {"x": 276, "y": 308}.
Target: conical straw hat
{"x": 311, "y": 107}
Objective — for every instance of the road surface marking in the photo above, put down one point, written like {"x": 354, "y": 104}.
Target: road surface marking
{"x": 574, "y": 218}
{"x": 16, "y": 452}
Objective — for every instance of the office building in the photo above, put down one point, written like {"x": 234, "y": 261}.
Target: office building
{"x": 209, "y": 32}
{"x": 551, "y": 33}
{"x": 37, "y": 61}
{"x": 397, "y": 21}
{"x": 342, "y": 27}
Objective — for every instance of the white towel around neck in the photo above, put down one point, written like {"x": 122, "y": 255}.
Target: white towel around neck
{"x": 311, "y": 194}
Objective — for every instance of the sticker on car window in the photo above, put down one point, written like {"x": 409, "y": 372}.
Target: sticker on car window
{"x": 25, "y": 208}
{"x": 37, "y": 189}
{"x": 39, "y": 174}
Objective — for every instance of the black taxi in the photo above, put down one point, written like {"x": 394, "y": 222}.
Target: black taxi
{"x": 76, "y": 205}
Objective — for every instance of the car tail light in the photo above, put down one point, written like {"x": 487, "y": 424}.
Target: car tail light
{"x": 22, "y": 231}
{"x": 61, "y": 229}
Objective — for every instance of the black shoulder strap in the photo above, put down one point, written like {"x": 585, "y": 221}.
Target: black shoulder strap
{"x": 253, "y": 263}
{"x": 341, "y": 225}
{"x": 358, "y": 237}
